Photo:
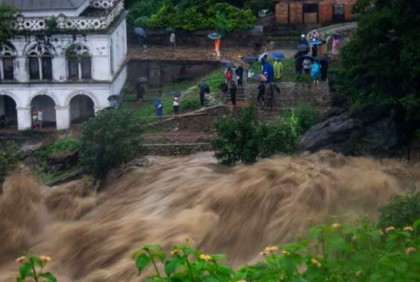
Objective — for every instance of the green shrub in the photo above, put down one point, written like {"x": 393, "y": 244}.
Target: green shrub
{"x": 327, "y": 253}
{"x": 63, "y": 145}
{"x": 108, "y": 140}
{"x": 237, "y": 138}
{"x": 400, "y": 211}
{"x": 246, "y": 139}
{"x": 31, "y": 268}
{"x": 189, "y": 104}
{"x": 8, "y": 158}
{"x": 335, "y": 253}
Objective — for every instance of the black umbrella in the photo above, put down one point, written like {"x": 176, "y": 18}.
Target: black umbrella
{"x": 140, "y": 31}
{"x": 303, "y": 48}
{"x": 214, "y": 35}
{"x": 169, "y": 30}
{"x": 249, "y": 59}
{"x": 204, "y": 86}
{"x": 228, "y": 63}
{"x": 142, "y": 79}
{"x": 321, "y": 58}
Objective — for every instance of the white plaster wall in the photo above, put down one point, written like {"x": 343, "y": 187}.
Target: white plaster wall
{"x": 119, "y": 48}
{"x": 118, "y": 84}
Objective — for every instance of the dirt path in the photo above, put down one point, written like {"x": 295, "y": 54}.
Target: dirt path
{"x": 193, "y": 53}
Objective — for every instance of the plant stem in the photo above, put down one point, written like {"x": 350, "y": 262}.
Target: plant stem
{"x": 153, "y": 262}
{"x": 34, "y": 270}
{"x": 189, "y": 269}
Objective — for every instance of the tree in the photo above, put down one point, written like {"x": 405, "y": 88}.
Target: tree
{"x": 191, "y": 15}
{"x": 7, "y": 15}
{"x": 380, "y": 64}
{"x": 108, "y": 140}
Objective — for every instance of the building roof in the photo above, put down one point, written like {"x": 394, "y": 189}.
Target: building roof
{"x": 37, "y": 5}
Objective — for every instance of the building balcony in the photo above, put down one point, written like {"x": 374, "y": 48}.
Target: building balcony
{"x": 99, "y": 16}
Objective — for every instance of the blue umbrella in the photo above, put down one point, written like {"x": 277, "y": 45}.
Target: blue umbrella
{"x": 140, "y": 31}
{"x": 316, "y": 42}
{"x": 214, "y": 35}
{"x": 278, "y": 55}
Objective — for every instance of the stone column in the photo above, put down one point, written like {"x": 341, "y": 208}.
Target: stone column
{"x": 62, "y": 117}
{"x": 24, "y": 118}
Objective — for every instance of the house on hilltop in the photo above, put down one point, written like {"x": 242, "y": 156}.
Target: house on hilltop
{"x": 66, "y": 58}
{"x": 314, "y": 11}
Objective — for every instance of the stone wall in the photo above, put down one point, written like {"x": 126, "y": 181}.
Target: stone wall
{"x": 159, "y": 72}
{"x": 175, "y": 149}
{"x": 292, "y": 94}
{"x": 199, "y": 121}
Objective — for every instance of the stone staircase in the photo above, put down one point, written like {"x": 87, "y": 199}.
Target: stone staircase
{"x": 241, "y": 99}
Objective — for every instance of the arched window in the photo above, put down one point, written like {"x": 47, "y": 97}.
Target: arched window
{"x": 78, "y": 62}
{"x": 7, "y": 56}
{"x": 40, "y": 62}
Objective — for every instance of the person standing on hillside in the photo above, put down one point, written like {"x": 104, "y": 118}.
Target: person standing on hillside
{"x": 217, "y": 47}
{"x": 204, "y": 88}
{"x": 158, "y": 108}
{"x": 261, "y": 93}
{"x": 278, "y": 69}
{"x": 175, "y": 104}
{"x": 172, "y": 39}
{"x": 233, "y": 92}
{"x": 228, "y": 75}
{"x": 240, "y": 74}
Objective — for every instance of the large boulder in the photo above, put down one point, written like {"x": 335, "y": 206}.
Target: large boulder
{"x": 370, "y": 130}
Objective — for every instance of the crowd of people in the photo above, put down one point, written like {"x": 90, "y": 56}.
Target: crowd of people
{"x": 309, "y": 61}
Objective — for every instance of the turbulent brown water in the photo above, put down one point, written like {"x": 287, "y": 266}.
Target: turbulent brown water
{"x": 237, "y": 211}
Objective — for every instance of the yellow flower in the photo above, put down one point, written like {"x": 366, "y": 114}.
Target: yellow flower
{"x": 410, "y": 250}
{"x": 408, "y": 229}
{"x": 271, "y": 249}
{"x": 21, "y": 259}
{"x": 336, "y": 225}
{"x": 45, "y": 259}
{"x": 205, "y": 257}
{"x": 389, "y": 229}
{"x": 241, "y": 280}
{"x": 176, "y": 252}
{"x": 284, "y": 252}
{"x": 316, "y": 262}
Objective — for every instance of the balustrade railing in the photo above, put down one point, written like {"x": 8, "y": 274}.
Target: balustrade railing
{"x": 63, "y": 23}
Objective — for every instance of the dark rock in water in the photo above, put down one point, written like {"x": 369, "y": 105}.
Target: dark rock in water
{"x": 62, "y": 160}
{"x": 369, "y": 130}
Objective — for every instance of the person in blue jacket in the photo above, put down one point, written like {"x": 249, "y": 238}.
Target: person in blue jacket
{"x": 268, "y": 71}
{"x": 316, "y": 71}
{"x": 158, "y": 107}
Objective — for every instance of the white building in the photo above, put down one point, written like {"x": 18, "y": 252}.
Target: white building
{"x": 66, "y": 58}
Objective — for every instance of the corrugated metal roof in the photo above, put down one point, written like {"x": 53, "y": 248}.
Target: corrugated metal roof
{"x": 36, "y": 5}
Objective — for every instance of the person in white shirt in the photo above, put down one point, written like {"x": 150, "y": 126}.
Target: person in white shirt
{"x": 172, "y": 39}
{"x": 176, "y": 104}
{"x": 40, "y": 114}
